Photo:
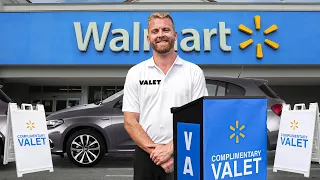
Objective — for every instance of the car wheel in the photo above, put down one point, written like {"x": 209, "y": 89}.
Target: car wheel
{"x": 85, "y": 147}
{"x": 1, "y": 147}
{"x": 268, "y": 144}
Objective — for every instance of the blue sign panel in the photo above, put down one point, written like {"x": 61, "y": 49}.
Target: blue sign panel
{"x": 235, "y": 139}
{"x": 120, "y": 37}
{"x": 188, "y": 151}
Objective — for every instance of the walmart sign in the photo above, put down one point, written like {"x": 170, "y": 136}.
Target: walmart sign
{"x": 120, "y": 37}
{"x": 124, "y": 38}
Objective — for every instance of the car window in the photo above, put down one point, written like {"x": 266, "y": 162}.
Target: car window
{"x": 220, "y": 88}
{"x": 212, "y": 88}
{"x": 235, "y": 90}
{"x": 221, "y": 91}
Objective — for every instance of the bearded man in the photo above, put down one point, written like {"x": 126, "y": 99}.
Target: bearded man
{"x": 151, "y": 89}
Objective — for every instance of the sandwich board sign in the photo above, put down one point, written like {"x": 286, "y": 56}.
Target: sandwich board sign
{"x": 316, "y": 144}
{"x": 298, "y": 139}
{"x": 27, "y": 141}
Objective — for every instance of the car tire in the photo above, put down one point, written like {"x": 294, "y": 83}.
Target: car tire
{"x": 268, "y": 144}
{"x": 1, "y": 148}
{"x": 1, "y": 151}
{"x": 85, "y": 148}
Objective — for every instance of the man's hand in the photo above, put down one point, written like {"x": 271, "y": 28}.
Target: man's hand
{"x": 168, "y": 166}
{"x": 136, "y": 131}
{"x": 161, "y": 153}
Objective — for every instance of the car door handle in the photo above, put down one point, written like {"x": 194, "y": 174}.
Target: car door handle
{"x": 105, "y": 118}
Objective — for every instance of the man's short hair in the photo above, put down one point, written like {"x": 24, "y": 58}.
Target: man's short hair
{"x": 160, "y": 15}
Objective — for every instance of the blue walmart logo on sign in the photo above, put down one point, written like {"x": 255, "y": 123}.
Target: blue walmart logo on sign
{"x": 292, "y": 139}
{"x": 270, "y": 43}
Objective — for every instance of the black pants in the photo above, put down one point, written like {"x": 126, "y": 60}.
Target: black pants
{"x": 146, "y": 169}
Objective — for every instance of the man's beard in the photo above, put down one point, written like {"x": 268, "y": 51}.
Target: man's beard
{"x": 162, "y": 49}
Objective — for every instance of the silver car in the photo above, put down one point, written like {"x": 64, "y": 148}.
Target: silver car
{"x": 4, "y": 100}
{"x": 86, "y": 133}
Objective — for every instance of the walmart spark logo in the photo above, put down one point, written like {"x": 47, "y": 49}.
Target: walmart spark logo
{"x": 30, "y": 125}
{"x": 237, "y": 132}
{"x": 259, "y": 51}
{"x": 294, "y": 125}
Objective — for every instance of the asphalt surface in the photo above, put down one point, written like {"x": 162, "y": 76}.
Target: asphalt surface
{"x": 119, "y": 169}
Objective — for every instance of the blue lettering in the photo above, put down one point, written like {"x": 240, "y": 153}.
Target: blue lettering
{"x": 20, "y": 142}
{"x": 38, "y": 141}
{"x": 305, "y": 143}
{"x": 32, "y": 141}
{"x": 294, "y": 142}
{"x": 288, "y": 141}
{"x": 26, "y": 142}
{"x": 299, "y": 141}
{"x": 44, "y": 142}
{"x": 283, "y": 140}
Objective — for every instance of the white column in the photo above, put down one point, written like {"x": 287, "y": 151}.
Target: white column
{"x": 84, "y": 94}
{"x": 1, "y": 5}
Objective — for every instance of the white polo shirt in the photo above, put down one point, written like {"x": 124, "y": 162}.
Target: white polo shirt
{"x": 151, "y": 93}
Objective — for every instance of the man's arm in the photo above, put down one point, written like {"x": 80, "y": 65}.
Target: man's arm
{"x": 131, "y": 110}
{"x": 136, "y": 132}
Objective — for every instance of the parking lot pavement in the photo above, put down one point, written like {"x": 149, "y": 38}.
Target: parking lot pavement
{"x": 119, "y": 169}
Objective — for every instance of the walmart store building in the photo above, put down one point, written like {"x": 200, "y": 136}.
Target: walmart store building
{"x": 69, "y": 54}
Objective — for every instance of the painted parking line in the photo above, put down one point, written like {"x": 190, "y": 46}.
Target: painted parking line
{"x": 118, "y": 175}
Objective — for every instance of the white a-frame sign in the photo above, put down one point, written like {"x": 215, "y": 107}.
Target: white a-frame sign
{"x": 298, "y": 140}
{"x": 27, "y": 141}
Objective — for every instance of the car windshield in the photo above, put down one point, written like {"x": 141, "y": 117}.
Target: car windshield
{"x": 113, "y": 97}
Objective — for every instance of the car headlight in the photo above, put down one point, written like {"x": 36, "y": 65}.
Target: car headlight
{"x": 54, "y": 123}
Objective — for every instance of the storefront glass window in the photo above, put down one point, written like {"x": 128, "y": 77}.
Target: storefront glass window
{"x": 98, "y": 93}
{"x": 95, "y": 94}
{"x": 108, "y": 91}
